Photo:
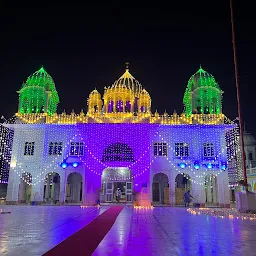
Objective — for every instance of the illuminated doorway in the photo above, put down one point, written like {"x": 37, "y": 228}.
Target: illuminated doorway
{"x": 114, "y": 179}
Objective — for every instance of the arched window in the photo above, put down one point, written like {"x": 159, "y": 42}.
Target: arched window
{"x": 118, "y": 152}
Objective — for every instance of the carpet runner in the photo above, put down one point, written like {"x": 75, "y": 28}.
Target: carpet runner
{"x": 85, "y": 241}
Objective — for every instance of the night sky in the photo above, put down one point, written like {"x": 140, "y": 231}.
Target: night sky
{"x": 86, "y": 46}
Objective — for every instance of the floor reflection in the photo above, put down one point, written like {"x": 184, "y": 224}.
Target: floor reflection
{"x": 33, "y": 230}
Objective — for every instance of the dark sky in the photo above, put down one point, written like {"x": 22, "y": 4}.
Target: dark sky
{"x": 86, "y": 46}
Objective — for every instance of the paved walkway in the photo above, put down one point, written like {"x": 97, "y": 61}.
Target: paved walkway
{"x": 33, "y": 230}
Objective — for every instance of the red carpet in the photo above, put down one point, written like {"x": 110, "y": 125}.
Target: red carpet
{"x": 85, "y": 241}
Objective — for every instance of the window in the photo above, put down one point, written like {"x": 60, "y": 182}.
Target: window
{"x": 29, "y": 149}
{"x": 160, "y": 149}
{"x": 208, "y": 149}
{"x": 181, "y": 149}
{"x": 250, "y": 156}
{"x": 76, "y": 149}
{"x": 55, "y": 148}
{"x": 119, "y": 152}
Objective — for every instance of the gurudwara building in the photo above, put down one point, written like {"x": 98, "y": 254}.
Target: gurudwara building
{"x": 119, "y": 143}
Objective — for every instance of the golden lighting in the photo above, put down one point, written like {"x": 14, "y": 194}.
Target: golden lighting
{"x": 231, "y": 214}
{"x": 144, "y": 207}
{"x": 90, "y": 206}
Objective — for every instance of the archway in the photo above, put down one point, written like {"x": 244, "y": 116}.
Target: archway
{"x": 211, "y": 189}
{"x": 25, "y": 186}
{"x": 74, "y": 188}
{"x": 182, "y": 185}
{"x": 116, "y": 185}
{"x": 52, "y": 188}
{"x": 160, "y": 189}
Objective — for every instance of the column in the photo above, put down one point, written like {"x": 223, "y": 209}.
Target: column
{"x": 214, "y": 185}
{"x": 114, "y": 106}
{"x": 56, "y": 192}
{"x": 172, "y": 191}
{"x": 62, "y": 195}
{"x": 47, "y": 188}
{"x": 52, "y": 191}
{"x": 13, "y": 187}
{"x": 132, "y": 107}
{"x": 123, "y": 104}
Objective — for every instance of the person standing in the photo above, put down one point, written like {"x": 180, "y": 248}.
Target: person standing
{"x": 187, "y": 197}
{"x": 118, "y": 195}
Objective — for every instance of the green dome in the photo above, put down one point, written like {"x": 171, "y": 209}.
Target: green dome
{"x": 38, "y": 94}
{"x": 201, "y": 78}
{"x": 202, "y": 95}
{"x": 41, "y": 78}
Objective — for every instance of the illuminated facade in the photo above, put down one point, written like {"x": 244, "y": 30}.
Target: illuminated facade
{"x": 120, "y": 143}
{"x": 6, "y": 139}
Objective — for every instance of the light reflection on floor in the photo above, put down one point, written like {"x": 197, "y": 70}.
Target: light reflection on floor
{"x": 33, "y": 230}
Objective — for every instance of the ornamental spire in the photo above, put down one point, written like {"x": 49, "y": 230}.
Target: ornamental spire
{"x": 42, "y": 70}
{"x": 127, "y": 66}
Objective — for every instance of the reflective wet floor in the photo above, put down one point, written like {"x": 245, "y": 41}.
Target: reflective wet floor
{"x": 33, "y": 230}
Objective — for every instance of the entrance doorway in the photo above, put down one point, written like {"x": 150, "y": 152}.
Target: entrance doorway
{"x": 182, "y": 185}
{"x": 160, "y": 189}
{"x": 211, "y": 190}
{"x": 74, "y": 188}
{"x": 52, "y": 188}
{"x": 25, "y": 186}
{"x": 114, "y": 179}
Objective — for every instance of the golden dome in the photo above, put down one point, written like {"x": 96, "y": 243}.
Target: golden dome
{"x": 129, "y": 82}
{"x": 94, "y": 94}
{"x": 144, "y": 93}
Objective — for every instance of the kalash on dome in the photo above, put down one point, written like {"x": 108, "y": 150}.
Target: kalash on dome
{"x": 120, "y": 146}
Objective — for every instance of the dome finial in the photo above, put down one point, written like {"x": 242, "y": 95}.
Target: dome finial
{"x": 200, "y": 69}
{"x": 127, "y": 66}
{"x": 42, "y": 68}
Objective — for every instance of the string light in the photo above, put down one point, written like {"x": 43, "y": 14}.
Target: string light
{"x": 6, "y": 141}
{"x": 231, "y": 214}
{"x": 121, "y": 133}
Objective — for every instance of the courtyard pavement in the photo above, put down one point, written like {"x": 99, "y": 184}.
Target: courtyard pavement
{"x": 33, "y": 230}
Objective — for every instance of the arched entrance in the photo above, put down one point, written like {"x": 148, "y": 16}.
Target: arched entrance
{"x": 74, "y": 188}
{"x": 182, "y": 185}
{"x": 52, "y": 188}
{"x": 160, "y": 189}
{"x": 211, "y": 189}
{"x": 114, "y": 180}
{"x": 25, "y": 186}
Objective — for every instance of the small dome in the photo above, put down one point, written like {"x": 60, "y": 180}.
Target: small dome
{"x": 249, "y": 139}
{"x": 144, "y": 93}
{"x": 201, "y": 78}
{"x": 95, "y": 93}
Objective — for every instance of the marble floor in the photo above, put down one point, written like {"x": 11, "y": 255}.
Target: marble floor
{"x": 33, "y": 230}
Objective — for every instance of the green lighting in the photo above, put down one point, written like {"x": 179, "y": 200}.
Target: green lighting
{"x": 203, "y": 94}
{"x": 38, "y": 94}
